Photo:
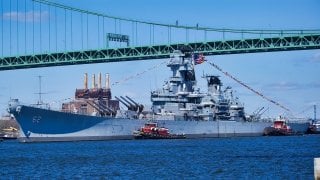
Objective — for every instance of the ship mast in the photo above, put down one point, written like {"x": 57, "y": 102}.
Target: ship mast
{"x": 315, "y": 112}
{"x": 40, "y": 92}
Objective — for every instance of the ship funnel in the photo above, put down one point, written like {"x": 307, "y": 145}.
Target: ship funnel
{"x": 107, "y": 81}
{"x": 99, "y": 83}
{"x": 93, "y": 81}
{"x": 85, "y": 81}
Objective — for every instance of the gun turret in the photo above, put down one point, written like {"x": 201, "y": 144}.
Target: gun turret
{"x": 107, "y": 109}
{"x": 126, "y": 101}
{"x": 139, "y": 107}
{"x": 128, "y": 106}
{"x": 132, "y": 101}
{"x": 132, "y": 107}
{"x": 102, "y": 112}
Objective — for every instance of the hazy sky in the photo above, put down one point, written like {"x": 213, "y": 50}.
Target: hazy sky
{"x": 291, "y": 78}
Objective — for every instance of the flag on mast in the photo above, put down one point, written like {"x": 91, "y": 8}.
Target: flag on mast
{"x": 198, "y": 58}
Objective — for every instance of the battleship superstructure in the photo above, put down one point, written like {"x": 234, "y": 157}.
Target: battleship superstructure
{"x": 180, "y": 99}
{"x": 179, "y": 106}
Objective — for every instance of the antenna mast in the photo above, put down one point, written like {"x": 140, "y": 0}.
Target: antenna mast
{"x": 40, "y": 93}
{"x": 315, "y": 112}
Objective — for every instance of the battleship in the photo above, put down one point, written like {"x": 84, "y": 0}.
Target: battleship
{"x": 179, "y": 106}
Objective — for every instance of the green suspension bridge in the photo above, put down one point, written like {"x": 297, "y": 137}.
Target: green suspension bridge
{"x": 41, "y": 33}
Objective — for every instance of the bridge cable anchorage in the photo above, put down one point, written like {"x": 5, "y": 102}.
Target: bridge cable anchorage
{"x": 138, "y": 74}
{"x": 248, "y": 87}
{"x": 177, "y": 25}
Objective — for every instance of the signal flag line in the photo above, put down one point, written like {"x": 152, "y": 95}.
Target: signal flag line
{"x": 248, "y": 87}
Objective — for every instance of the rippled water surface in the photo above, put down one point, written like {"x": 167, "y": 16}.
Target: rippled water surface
{"x": 219, "y": 158}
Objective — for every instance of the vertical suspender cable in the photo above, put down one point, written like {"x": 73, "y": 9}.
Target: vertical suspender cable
{"x": 120, "y": 30}
{"x": 152, "y": 34}
{"x": 71, "y": 31}
{"x": 223, "y": 34}
{"x": 81, "y": 30}
{"x": 136, "y": 33}
{"x": 40, "y": 14}
{"x": 17, "y": 28}
{"x": 56, "y": 29}
{"x": 2, "y": 27}
{"x": 65, "y": 30}
{"x": 25, "y": 27}
{"x": 168, "y": 34}
{"x": 115, "y": 26}
{"x": 205, "y": 36}
{"x": 49, "y": 28}
{"x": 187, "y": 35}
{"x": 98, "y": 32}
{"x": 87, "y": 31}
{"x": 132, "y": 32}
{"x": 103, "y": 34}
{"x": 10, "y": 26}
{"x": 33, "y": 27}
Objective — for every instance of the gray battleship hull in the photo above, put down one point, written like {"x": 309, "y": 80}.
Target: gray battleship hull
{"x": 47, "y": 125}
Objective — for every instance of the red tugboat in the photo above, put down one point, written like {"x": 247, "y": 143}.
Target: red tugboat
{"x": 152, "y": 131}
{"x": 279, "y": 128}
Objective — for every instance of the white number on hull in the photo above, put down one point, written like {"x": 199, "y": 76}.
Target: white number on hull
{"x": 36, "y": 119}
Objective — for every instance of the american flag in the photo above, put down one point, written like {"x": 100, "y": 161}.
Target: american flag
{"x": 198, "y": 58}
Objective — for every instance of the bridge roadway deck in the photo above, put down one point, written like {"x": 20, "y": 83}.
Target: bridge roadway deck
{"x": 287, "y": 43}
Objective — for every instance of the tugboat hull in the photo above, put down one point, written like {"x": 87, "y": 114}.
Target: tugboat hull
{"x": 271, "y": 131}
{"x": 156, "y": 136}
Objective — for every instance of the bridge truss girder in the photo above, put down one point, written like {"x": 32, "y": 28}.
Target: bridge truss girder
{"x": 288, "y": 43}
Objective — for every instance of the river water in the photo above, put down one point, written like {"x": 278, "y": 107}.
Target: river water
{"x": 289, "y": 157}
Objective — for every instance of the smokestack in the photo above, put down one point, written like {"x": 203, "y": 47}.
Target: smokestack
{"x": 93, "y": 81}
{"x": 85, "y": 81}
{"x": 107, "y": 81}
{"x": 100, "y": 78}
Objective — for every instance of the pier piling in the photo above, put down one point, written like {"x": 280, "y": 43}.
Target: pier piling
{"x": 317, "y": 168}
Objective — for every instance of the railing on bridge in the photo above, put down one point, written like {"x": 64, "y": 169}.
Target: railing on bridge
{"x": 41, "y": 33}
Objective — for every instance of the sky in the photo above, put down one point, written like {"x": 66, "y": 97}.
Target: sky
{"x": 290, "y": 78}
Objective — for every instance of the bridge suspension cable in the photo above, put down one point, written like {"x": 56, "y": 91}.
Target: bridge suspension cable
{"x": 196, "y": 27}
{"x": 247, "y": 86}
{"x": 2, "y": 29}
{"x": 58, "y": 35}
